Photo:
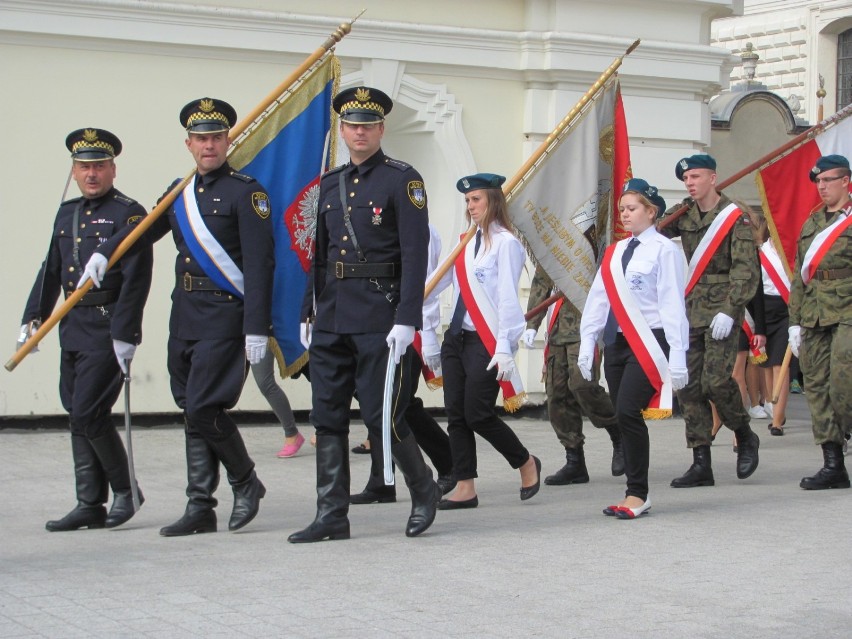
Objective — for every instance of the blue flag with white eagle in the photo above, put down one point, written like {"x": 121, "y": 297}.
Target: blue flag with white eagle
{"x": 287, "y": 152}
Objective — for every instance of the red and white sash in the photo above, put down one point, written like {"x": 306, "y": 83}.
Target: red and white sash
{"x": 637, "y": 332}
{"x": 771, "y": 263}
{"x": 756, "y": 355}
{"x": 485, "y": 320}
{"x": 429, "y": 377}
{"x": 715, "y": 235}
{"x": 822, "y": 243}
{"x": 551, "y": 321}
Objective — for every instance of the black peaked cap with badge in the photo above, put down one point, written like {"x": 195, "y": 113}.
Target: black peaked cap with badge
{"x": 92, "y": 145}
{"x": 208, "y": 115}
{"x": 362, "y": 105}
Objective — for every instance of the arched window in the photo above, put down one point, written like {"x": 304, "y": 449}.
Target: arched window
{"x": 844, "y": 69}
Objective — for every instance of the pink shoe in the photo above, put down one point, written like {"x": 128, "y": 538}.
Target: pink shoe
{"x": 289, "y": 450}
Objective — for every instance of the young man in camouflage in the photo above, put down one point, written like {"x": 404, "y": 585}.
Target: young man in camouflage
{"x": 718, "y": 288}
{"x": 568, "y": 394}
{"x": 821, "y": 317}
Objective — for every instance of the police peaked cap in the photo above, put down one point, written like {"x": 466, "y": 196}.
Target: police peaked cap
{"x": 698, "y": 161}
{"x": 638, "y": 185}
{"x": 480, "y": 181}
{"x": 362, "y": 105}
{"x": 826, "y": 163}
{"x": 92, "y": 145}
{"x": 207, "y": 115}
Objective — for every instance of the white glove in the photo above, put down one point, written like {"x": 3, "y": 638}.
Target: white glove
{"x": 680, "y": 376}
{"x": 586, "y": 358}
{"x": 431, "y": 351}
{"x": 95, "y": 270}
{"x": 256, "y": 348}
{"x": 721, "y": 326}
{"x": 27, "y": 331}
{"x": 505, "y": 366}
{"x": 124, "y": 352}
{"x": 305, "y": 334}
{"x": 794, "y": 336}
{"x": 528, "y": 338}
{"x": 400, "y": 336}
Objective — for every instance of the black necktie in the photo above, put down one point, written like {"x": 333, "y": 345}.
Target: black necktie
{"x": 611, "y": 328}
{"x": 460, "y": 310}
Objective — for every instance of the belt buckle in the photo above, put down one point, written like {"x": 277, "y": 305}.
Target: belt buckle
{"x": 187, "y": 282}
{"x": 338, "y": 270}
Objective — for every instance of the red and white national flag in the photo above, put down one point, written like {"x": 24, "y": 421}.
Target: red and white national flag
{"x": 788, "y": 194}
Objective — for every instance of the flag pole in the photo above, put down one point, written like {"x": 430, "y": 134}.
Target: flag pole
{"x": 767, "y": 159}
{"x": 336, "y": 36}
{"x": 535, "y": 158}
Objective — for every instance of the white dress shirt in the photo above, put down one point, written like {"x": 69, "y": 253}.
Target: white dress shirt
{"x": 656, "y": 277}
{"x": 498, "y": 269}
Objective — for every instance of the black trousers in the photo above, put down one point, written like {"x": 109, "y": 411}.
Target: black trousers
{"x": 344, "y": 364}
{"x": 89, "y": 384}
{"x": 470, "y": 393}
{"x": 427, "y": 432}
{"x": 207, "y": 378}
{"x": 631, "y": 391}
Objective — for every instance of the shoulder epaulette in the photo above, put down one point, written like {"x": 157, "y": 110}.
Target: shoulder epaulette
{"x": 72, "y": 200}
{"x": 397, "y": 164}
{"x": 336, "y": 169}
{"x": 242, "y": 176}
{"x": 121, "y": 197}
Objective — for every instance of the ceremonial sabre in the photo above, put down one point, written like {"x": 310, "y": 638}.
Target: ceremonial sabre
{"x": 387, "y": 420}
{"x": 134, "y": 489}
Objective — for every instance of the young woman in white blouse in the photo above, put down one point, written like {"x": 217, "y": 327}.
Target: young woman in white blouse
{"x": 487, "y": 323}
{"x": 637, "y": 303}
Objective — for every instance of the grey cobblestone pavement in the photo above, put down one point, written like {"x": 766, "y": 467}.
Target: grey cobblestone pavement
{"x": 755, "y": 558}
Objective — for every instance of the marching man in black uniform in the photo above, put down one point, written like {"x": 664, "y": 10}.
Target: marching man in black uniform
{"x": 369, "y": 272}
{"x": 223, "y": 233}
{"x": 104, "y": 321}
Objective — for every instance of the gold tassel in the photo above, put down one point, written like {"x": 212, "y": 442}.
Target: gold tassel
{"x": 435, "y": 383}
{"x": 657, "y": 413}
{"x": 512, "y": 404}
{"x": 285, "y": 370}
{"x": 758, "y": 359}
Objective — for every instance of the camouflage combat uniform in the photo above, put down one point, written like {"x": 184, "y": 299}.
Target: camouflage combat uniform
{"x": 729, "y": 282}
{"x": 568, "y": 394}
{"x": 823, "y": 308}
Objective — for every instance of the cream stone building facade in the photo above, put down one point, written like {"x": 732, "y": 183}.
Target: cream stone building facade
{"x": 477, "y": 84}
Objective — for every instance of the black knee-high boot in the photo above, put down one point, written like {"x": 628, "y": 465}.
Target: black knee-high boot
{"x": 425, "y": 492}
{"x": 202, "y": 479}
{"x": 113, "y": 457}
{"x": 91, "y": 487}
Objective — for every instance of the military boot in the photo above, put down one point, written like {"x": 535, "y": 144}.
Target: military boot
{"x": 574, "y": 471}
{"x": 248, "y": 489}
{"x": 113, "y": 457}
{"x": 375, "y": 492}
{"x": 202, "y": 479}
{"x": 617, "y": 465}
{"x": 425, "y": 492}
{"x": 748, "y": 444}
{"x": 833, "y": 473}
{"x": 91, "y": 488}
{"x": 700, "y": 473}
{"x": 331, "y": 521}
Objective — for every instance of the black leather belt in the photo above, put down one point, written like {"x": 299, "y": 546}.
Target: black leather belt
{"x": 97, "y": 298}
{"x": 190, "y": 283}
{"x": 388, "y": 269}
{"x": 833, "y": 274}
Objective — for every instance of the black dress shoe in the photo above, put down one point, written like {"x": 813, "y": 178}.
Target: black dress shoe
{"x": 446, "y": 483}
{"x": 530, "y": 491}
{"x": 385, "y": 495}
{"x": 449, "y": 504}
{"x": 360, "y": 449}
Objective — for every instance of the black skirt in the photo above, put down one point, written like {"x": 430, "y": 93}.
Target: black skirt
{"x": 777, "y": 322}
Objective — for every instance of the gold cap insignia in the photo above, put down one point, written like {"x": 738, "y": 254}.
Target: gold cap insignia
{"x": 90, "y": 136}
{"x": 362, "y": 95}
{"x": 206, "y": 105}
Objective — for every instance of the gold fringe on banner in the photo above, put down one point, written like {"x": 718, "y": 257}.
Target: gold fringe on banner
{"x": 285, "y": 370}
{"x": 758, "y": 359}
{"x": 435, "y": 383}
{"x": 657, "y": 413}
